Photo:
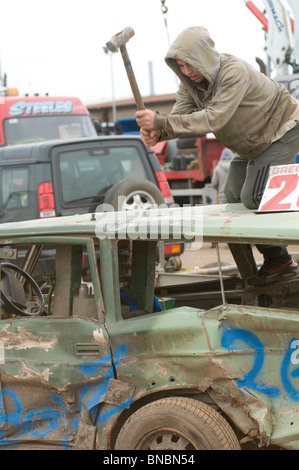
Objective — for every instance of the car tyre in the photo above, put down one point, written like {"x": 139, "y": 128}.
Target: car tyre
{"x": 133, "y": 194}
{"x": 176, "y": 423}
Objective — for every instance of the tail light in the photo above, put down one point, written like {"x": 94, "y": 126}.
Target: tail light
{"x": 46, "y": 202}
{"x": 164, "y": 187}
{"x": 172, "y": 249}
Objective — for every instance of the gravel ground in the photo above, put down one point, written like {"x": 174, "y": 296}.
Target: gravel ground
{"x": 198, "y": 255}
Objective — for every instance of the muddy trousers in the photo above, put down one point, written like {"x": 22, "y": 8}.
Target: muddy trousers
{"x": 247, "y": 179}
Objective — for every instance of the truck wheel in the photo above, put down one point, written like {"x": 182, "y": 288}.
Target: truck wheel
{"x": 176, "y": 423}
{"x": 131, "y": 195}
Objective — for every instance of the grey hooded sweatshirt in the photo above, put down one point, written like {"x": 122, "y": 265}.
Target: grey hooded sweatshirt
{"x": 220, "y": 173}
{"x": 244, "y": 109}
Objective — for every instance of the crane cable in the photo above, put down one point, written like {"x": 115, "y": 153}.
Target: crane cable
{"x": 164, "y": 10}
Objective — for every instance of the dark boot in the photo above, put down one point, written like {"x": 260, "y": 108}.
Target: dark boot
{"x": 278, "y": 266}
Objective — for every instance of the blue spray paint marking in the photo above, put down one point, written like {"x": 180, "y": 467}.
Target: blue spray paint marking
{"x": 39, "y": 423}
{"x": 229, "y": 341}
{"x": 12, "y": 418}
{"x": 231, "y": 336}
{"x": 2, "y": 411}
{"x": 90, "y": 368}
{"x": 292, "y": 392}
{"x": 49, "y": 416}
{"x": 29, "y": 423}
{"x": 91, "y": 395}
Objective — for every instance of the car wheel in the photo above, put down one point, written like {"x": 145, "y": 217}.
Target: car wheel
{"x": 133, "y": 194}
{"x": 176, "y": 423}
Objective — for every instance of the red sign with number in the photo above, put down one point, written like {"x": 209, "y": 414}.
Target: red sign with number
{"x": 282, "y": 189}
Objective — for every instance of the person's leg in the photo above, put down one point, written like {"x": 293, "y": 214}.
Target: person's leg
{"x": 245, "y": 183}
{"x": 278, "y": 263}
{"x": 281, "y": 152}
{"x": 235, "y": 179}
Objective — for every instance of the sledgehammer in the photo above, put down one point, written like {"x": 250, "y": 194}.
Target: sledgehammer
{"x": 119, "y": 42}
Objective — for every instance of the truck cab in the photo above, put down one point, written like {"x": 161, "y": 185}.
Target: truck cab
{"x": 25, "y": 119}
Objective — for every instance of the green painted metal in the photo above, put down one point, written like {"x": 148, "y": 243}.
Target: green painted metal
{"x": 74, "y": 373}
{"x": 229, "y": 222}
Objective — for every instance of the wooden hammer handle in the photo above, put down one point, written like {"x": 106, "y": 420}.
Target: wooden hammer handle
{"x": 132, "y": 79}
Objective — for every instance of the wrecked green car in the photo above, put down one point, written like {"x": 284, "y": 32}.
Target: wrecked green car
{"x": 123, "y": 361}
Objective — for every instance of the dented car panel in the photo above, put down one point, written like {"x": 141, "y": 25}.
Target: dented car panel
{"x": 241, "y": 356}
{"x": 46, "y": 379}
{"x": 101, "y": 350}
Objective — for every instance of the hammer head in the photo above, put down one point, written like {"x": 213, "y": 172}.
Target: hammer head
{"x": 120, "y": 39}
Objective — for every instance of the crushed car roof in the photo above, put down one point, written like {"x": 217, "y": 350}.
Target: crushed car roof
{"x": 227, "y": 223}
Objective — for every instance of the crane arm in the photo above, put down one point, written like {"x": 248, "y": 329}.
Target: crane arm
{"x": 279, "y": 27}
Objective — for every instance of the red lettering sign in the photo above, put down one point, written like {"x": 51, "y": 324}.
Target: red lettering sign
{"x": 282, "y": 189}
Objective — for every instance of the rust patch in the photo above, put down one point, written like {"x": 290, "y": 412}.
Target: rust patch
{"x": 99, "y": 337}
{"x": 27, "y": 373}
{"x": 24, "y": 340}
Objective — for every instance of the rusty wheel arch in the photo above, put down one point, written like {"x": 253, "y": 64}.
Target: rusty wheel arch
{"x": 110, "y": 432}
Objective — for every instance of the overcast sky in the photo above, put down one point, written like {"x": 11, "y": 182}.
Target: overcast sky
{"x": 56, "y": 46}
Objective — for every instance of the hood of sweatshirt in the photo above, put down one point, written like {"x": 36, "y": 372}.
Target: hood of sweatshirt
{"x": 195, "y": 47}
{"x": 225, "y": 159}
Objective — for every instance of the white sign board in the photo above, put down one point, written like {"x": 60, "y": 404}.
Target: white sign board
{"x": 282, "y": 189}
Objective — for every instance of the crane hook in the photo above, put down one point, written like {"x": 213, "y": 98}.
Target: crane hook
{"x": 164, "y": 8}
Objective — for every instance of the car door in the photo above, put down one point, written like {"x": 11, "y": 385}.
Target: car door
{"x": 55, "y": 367}
{"x": 15, "y": 193}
